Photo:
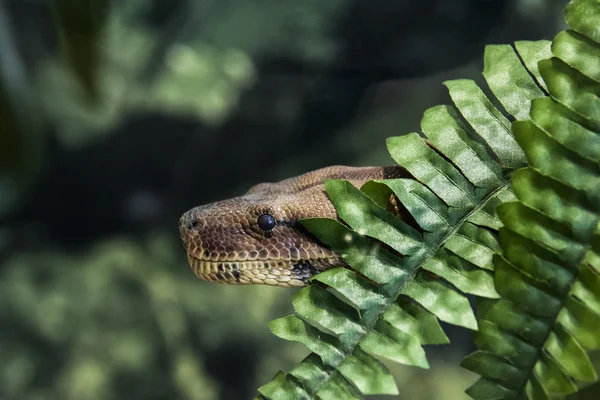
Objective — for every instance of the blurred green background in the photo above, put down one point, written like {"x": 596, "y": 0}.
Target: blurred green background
{"x": 118, "y": 116}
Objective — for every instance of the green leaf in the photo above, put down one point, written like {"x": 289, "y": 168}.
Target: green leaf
{"x": 443, "y": 126}
{"x": 281, "y": 388}
{"x": 583, "y": 16}
{"x": 356, "y": 290}
{"x": 431, "y": 331}
{"x": 579, "y": 52}
{"x": 367, "y": 218}
{"x": 432, "y": 170}
{"x": 487, "y": 389}
{"x": 444, "y": 302}
{"x": 552, "y": 378}
{"x": 293, "y": 328}
{"x": 535, "y": 390}
{"x": 395, "y": 345}
{"x": 509, "y": 81}
{"x": 363, "y": 254}
{"x": 512, "y": 320}
{"x": 367, "y": 374}
{"x": 414, "y": 247}
{"x": 572, "y": 130}
{"x": 429, "y": 211}
{"x": 570, "y": 355}
{"x": 462, "y": 274}
{"x": 571, "y": 87}
{"x": 514, "y": 285}
{"x": 487, "y": 121}
{"x": 536, "y": 261}
{"x": 533, "y": 52}
{"x": 338, "y": 388}
{"x": 493, "y": 366}
{"x": 584, "y": 324}
{"x": 474, "y": 245}
{"x": 328, "y": 314}
{"x": 557, "y": 201}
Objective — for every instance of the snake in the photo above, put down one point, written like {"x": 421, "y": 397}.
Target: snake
{"x": 256, "y": 238}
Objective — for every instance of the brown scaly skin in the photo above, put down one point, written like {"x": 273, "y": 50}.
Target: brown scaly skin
{"x": 225, "y": 244}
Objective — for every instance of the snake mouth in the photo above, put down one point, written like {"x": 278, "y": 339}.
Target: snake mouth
{"x": 284, "y": 273}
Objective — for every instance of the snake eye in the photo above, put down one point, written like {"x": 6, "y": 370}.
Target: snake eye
{"x": 266, "y": 222}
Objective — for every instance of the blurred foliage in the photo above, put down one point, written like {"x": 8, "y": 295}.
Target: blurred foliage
{"x": 116, "y": 116}
{"x": 117, "y": 322}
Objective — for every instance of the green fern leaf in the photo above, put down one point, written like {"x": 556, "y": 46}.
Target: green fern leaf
{"x": 387, "y": 305}
{"x": 534, "y": 341}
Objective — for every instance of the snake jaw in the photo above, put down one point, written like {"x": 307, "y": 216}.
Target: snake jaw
{"x": 284, "y": 273}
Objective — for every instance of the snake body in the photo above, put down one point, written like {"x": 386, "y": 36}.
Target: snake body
{"x": 256, "y": 238}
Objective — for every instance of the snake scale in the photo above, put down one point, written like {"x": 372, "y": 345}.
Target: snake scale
{"x": 256, "y": 238}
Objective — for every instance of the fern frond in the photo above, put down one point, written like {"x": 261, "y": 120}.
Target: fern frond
{"x": 405, "y": 278}
{"x": 534, "y": 341}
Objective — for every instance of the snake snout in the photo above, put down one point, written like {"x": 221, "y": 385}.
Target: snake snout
{"x": 187, "y": 222}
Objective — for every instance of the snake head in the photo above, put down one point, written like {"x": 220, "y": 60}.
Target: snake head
{"x": 256, "y": 238}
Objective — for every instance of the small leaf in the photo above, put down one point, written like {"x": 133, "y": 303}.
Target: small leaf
{"x": 367, "y": 218}
{"x": 587, "y": 288}
{"x": 514, "y": 321}
{"x": 426, "y": 208}
{"x": 572, "y": 130}
{"x": 556, "y": 161}
{"x": 311, "y": 372}
{"x": 493, "y": 339}
{"x": 552, "y": 378}
{"x": 294, "y": 329}
{"x": 338, "y": 388}
{"x": 488, "y": 389}
{"x": 395, "y": 345}
{"x": 582, "y": 322}
{"x": 431, "y": 330}
{"x": 535, "y": 390}
{"x": 579, "y": 52}
{"x": 441, "y": 300}
{"x": 557, "y": 201}
{"x": 531, "y": 53}
{"x": 473, "y": 245}
{"x": 513, "y": 285}
{"x": 487, "y": 121}
{"x": 569, "y": 354}
{"x": 328, "y": 313}
{"x": 487, "y": 215}
{"x": 537, "y": 261}
{"x": 571, "y": 87}
{"x": 361, "y": 253}
{"x": 462, "y": 274}
{"x": 411, "y": 152}
{"x": 490, "y": 365}
{"x": 583, "y": 16}
{"x": 280, "y": 388}
{"x": 367, "y": 374}
{"x": 355, "y": 290}
{"x": 509, "y": 80}
{"x": 443, "y": 126}
{"x": 541, "y": 230}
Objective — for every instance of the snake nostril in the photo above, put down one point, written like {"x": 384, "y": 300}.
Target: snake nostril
{"x": 192, "y": 224}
